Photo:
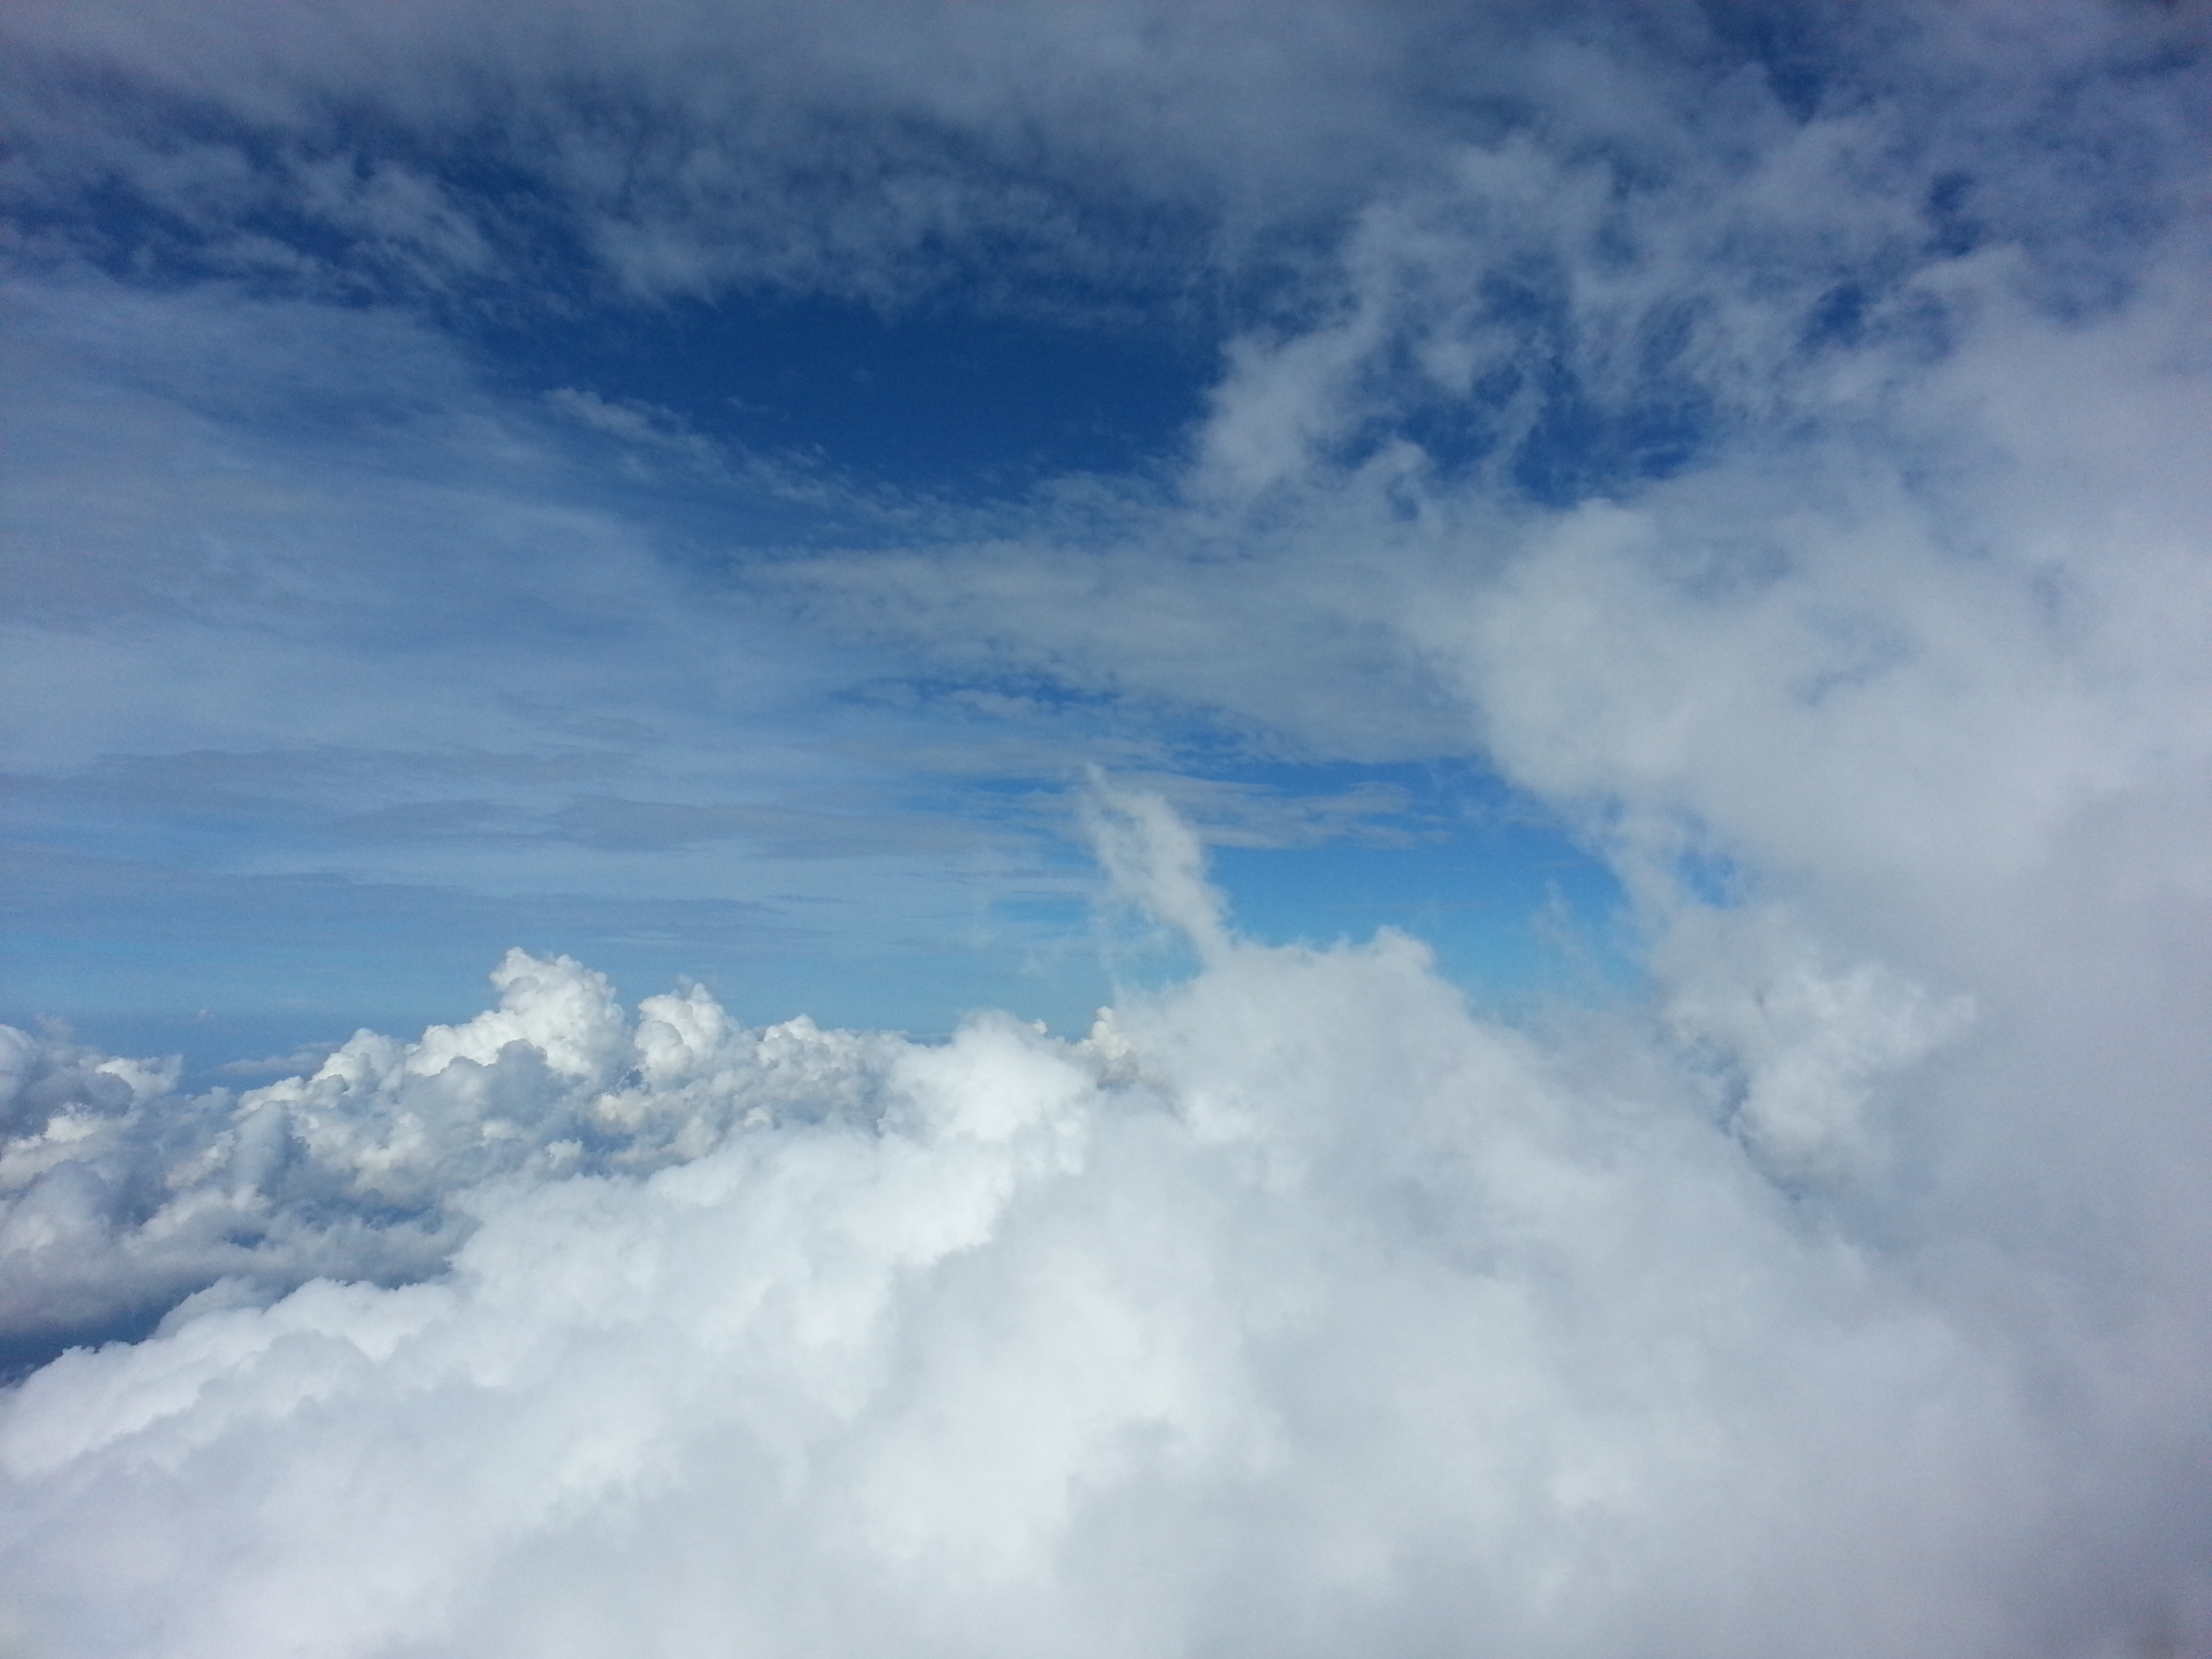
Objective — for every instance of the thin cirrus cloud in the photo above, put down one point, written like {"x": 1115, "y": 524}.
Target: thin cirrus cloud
{"x": 1715, "y": 493}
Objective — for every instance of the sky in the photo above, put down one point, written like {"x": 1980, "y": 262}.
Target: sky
{"x": 1369, "y": 826}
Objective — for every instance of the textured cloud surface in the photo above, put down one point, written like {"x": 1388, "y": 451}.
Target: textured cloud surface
{"x": 1295, "y": 1309}
{"x": 1769, "y": 442}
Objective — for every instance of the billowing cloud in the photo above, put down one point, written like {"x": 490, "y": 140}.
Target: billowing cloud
{"x": 1294, "y": 1308}
{"x": 124, "y": 1197}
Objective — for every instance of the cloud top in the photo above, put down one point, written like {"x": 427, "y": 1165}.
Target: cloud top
{"x": 1295, "y": 1308}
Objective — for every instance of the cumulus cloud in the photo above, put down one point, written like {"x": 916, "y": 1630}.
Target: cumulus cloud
{"x": 1294, "y": 1308}
{"x": 122, "y": 1196}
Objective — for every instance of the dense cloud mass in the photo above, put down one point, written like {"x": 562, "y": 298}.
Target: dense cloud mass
{"x": 124, "y": 1197}
{"x": 1295, "y": 1309}
{"x": 1773, "y": 441}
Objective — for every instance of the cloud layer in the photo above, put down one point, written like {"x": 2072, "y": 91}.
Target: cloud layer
{"x": 1293, "y": 1310}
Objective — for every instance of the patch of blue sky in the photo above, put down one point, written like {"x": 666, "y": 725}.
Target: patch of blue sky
{"x": 1514, "y": 916}
{"x": 1531, "y": 422}
{"x": 1516, "y": 908}
{"x": 152, "y": 958}
{"x": 158, "y": 937}
{"x": 1715, "y": 879}
{"x": 927, "y": 398}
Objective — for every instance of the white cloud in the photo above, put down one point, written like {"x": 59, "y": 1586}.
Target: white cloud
{"x": 643, "y": 425}
{"x": 120, "y": 1196}
{"x": 1152, "y": 855}
{"x": 1295, "y": 1307}
{"x": 901, "y": 149}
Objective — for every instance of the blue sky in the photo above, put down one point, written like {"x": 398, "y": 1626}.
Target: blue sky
{"x": 707, "y": 519}
{"x": 417, "y": 577}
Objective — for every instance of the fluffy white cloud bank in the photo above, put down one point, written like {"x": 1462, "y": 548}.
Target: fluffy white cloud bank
{"x": 122, "y": 1196}
{"x": 1295, "y": 1310}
